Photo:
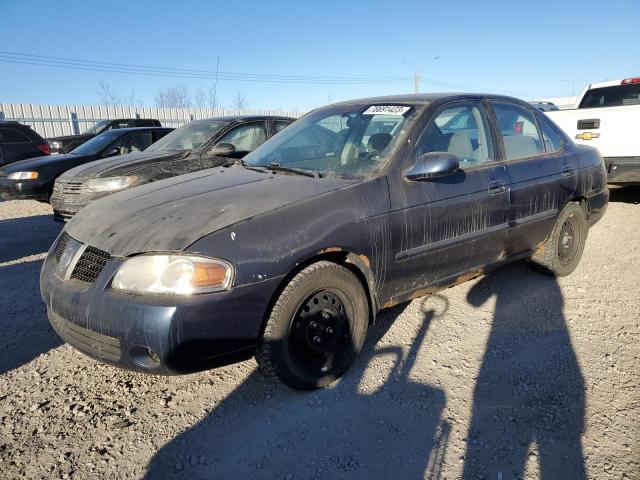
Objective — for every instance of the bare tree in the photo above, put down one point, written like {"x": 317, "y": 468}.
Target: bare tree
{"x": 108, "y": 96}
{"x": 131, "y": 100}
{"x": 200, "y": 98}
{"x": 213, "y": 96}
{"x": 240, "y": 103}
{"x": 174, "y": 96}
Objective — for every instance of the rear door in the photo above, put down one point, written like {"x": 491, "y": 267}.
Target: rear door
{"x": 445, "y": 227}
{"x": 541, "y": 173}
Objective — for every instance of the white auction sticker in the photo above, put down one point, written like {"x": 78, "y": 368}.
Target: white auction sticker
{"x": 386, "y": 110}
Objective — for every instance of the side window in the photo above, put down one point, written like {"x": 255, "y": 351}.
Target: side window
{"x": 9, "y": 135}
{"x": 245, "y": 137}
{"x": 134, "y": 142}
{"x": 116, "y": 125}
{"x": 158, "y": 134}
{"x": 280, "y": 125}
{"x": 552, "y": 138}
{"x": 461, "y": 129}
{"x": 518, "y": 130}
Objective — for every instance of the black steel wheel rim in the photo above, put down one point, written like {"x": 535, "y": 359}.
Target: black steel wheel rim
{"x": 568, "y": 241}
{"x": 319, "y": 334}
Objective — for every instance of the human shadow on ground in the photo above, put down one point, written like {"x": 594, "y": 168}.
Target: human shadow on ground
{"x": 348, "y": 430}
{"x": 626, "y": 194}
{"x": 530, "y": 389}
{"x": 25, "y": 236}
{"x": 26, "y": 333}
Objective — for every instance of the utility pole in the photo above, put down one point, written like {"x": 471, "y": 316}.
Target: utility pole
{"x": 416, "y": 75}
{"x": 215, "y": 85}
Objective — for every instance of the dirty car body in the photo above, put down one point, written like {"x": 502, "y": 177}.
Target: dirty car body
{"x": 33, "y": 179}
{"x": 408, "y": 194}
{"x": 188, "y": 149}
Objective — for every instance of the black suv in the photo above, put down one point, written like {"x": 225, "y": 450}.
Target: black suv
{"x": 65, "y": 144}
{"x": 19, "y": 142}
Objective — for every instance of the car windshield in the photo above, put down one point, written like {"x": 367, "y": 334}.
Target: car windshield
{"x": 354, "y": 141}
{"x": 97, "y": 144}
{"x": 97, "y": 128}
{"x": 188, "y": 137}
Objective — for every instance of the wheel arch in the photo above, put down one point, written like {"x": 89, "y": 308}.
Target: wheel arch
{"x": 358, "y": 264}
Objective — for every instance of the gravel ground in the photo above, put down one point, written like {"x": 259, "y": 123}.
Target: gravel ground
{"x": 512, "y": 375}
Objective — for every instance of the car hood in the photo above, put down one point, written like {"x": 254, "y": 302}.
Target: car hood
{"x": 172, "y": 214}
{"x": 33, "y": 164}
{"x": 119, "y": 165}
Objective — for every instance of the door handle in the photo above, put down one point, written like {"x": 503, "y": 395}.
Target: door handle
{"x": 496, "y": 187}
{"x": 567, "y": 171}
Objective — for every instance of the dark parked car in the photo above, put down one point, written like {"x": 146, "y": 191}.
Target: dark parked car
{"x": 66, "y": 143}
{"x": 34, "y": 178}
{"x": 18, "y": 142}
{"x": 290, "y": 254}
{"x": 195, "y": 146}
{"x": 545, "y": 106}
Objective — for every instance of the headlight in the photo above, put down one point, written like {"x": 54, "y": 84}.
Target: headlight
{"x": 109, "y": 184}
{"x": 23, "y": 176}
{"x": 173, "y": 274}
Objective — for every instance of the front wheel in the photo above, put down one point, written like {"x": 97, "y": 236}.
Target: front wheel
{"x": 562, "y": 251}
{"x": 316, "y": 328}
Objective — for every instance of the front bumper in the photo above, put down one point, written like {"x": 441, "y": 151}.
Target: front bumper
{"x": 157, "y": 334}
{"x": 622, "y": 170}
{"x": 25, "y": 189}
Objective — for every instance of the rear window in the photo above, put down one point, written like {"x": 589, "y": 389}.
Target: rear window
{"x": 9, "y": 135}
{"x": 613, "y": 96}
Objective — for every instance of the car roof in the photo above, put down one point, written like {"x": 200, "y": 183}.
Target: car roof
{"x": 243, "y": 118}
{"x": 424, "y": 98}
{"x": 13, "y": 123}
{"x": 138, "y": 129}
{"x": 121, "y": 119}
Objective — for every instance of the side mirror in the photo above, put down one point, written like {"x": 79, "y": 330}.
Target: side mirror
{"x": 433, "y": 165}
{"x": 112, "y": 152}
{"x": 222, "y": 150}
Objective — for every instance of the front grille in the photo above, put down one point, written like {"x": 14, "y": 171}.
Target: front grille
{"x": 63, "y": 215}
{"x": 90, "y": 342}
{"x": 62, "y": 244}
{"x": 68, "y": 189}
{"x": 90, "y": 264}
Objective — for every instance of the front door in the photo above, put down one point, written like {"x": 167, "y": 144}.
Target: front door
{"x": 444, "y": 227}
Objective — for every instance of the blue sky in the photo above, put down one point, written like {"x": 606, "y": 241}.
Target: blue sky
{"x": 529, "y": 49}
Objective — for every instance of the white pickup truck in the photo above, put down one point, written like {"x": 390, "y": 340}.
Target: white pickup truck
{"x": 607, "y": 116}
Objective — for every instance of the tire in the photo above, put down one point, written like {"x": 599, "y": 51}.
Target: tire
{"x": 316, "y": 327}
{"x": 560, "y": 254}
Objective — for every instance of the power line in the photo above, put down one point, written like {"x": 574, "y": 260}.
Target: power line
{"x": 90, "y": 65}
{"x": 216, "y": 75}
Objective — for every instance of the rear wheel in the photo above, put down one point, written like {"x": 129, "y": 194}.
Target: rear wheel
{"x": 562, "y": 251}
{"x": 316, "y": 328}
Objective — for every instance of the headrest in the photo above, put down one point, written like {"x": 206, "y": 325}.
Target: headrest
{"x": 379, "y": 141}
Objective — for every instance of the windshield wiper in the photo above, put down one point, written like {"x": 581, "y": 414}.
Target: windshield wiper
{"x": 248, "y": 166}
{"x": 297, "y": 171}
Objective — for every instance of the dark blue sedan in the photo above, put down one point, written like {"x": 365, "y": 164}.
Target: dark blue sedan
{"x": 288, "y": 254}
